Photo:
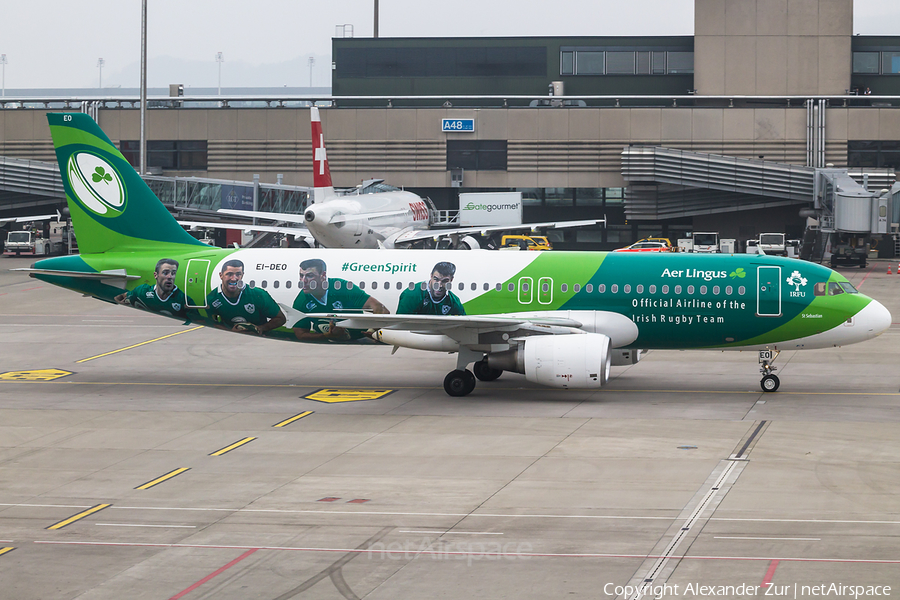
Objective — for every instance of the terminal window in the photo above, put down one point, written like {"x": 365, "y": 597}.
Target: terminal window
{"x": 865, "y": 62}
{"x": 185, "y": 155}
{"x": 890, "y": 62}
{"x": 874, "y": 62}
{"x": 873, "y": 154}
{"x": 441, "y": 62}
{"x": 608, "y": 61}
{"x": 476, "y": 155}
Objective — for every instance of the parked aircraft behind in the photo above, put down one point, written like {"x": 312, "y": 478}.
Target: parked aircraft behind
{"x": 560, "y": 318}
{"x": 376, "y": 215}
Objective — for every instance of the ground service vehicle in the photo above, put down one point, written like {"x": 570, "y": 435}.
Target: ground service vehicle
{"x": 772, "y": 243}
{"x": 705, "y": 242}
{"x": 561, "y": 319}
{"x": 849, "y": 250}
{"x": 645, "y": 247}
{"x": 526, "y": 242}
{"x": 30, "y": 243}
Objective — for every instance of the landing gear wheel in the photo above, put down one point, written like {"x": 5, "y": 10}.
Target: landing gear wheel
{"x": 485, "y": 372}
{"x": 769, "y": 383}
{"x": 459, "y": 382}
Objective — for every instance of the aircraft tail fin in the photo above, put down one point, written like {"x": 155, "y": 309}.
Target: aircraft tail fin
{"x": 322, "y": 186}
{"x": 111, "y": 206}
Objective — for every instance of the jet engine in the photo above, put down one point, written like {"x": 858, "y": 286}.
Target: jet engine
{"x": 565, "y": 361}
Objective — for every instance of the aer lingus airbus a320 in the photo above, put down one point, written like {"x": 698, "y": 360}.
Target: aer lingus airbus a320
{"x": 560, "y": 318}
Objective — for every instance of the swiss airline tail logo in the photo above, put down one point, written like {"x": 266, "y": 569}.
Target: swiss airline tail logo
{"x": 321, "y": 173}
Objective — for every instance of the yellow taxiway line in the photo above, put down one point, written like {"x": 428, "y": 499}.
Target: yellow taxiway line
{"x": 237, "y": 444}
{"x": 159, "y": 480}
{"x": 141, "y": 344}
{"x": 294, "y": 418}
{"x": 80, "y": 515}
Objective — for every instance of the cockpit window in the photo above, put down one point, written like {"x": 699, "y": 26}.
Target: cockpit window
{"x": 848, "y": 287}
{"x": 834, "y": 289}
{"x": 820, "y": 289}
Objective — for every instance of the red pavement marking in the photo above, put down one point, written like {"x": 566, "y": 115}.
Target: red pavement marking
{"x": 328, "y": 499}
{"x": 213, "y": 574}
{"x": 358, "y": 501}
{"x": 866, "y": 277}
{"x": 767, "y": 580}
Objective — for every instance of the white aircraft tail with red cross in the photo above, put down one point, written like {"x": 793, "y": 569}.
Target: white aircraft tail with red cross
{"x": 322, "y": 186}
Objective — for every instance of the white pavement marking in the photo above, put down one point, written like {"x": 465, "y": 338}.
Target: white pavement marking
{"x": 461, "y": 553}
{"x": 450, "y": 532}
{"x": 142, "y": 525}
{"x": 455, "y": 515}
{"x": 728, "y": 537}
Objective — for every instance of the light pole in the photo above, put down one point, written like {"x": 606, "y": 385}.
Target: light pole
{"x": 220, "y": 58}
{"x": 143, "y": 87}
{"x": 311, "y": 61}
{"x": 3, "y": 63}
{"x": 100, "y": 63}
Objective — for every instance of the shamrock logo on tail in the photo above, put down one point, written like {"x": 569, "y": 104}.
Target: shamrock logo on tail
{"x": 739, "y": 272}
{"x": 100, "y": 174}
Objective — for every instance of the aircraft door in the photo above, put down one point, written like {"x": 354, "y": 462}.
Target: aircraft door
{"x": 768, "y": 291}
{"x": 526, "y": 290}
{"x": 195, "y": 282}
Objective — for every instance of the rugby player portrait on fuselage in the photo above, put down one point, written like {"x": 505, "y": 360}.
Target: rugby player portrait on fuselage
{"x": 433, "y": 297}
{"x": 241, "y": 308}
{"x": 164, "y": 297}
{"x": 319, "y": 294}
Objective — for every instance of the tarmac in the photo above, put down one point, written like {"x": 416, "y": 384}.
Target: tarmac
{"x": 144, "y": 458}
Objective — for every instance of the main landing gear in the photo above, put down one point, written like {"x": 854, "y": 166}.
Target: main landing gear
{"x": 769, "y": 381}
{"x": 461, "y": 381}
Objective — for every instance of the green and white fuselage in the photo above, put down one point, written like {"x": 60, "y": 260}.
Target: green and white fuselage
{"x": 662, "y": 300}
{"x": 537, "y": 313}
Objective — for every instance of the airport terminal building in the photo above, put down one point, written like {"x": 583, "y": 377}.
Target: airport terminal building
{"x": 661, "y": 134}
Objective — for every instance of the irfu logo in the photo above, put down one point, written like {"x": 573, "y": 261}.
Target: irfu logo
{"x": 797, "y": 280}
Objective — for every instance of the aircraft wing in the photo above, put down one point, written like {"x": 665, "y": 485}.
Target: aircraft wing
{"x": 27, "y": 219}
{"x": 295, "y": 231}
{"x": 300, "y": 218}
{"x": 424, "y": 234}
{"x": 250, "y": 214}
{"x": 436, "y": 323}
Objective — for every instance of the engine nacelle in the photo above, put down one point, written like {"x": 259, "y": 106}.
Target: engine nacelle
{"x": 566, "y": 361}
{"x": 621, "y": 358}
{"x": 468, "y": 243}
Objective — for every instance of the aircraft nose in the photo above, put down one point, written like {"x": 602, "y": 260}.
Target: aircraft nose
{"x": 874, "y": 318}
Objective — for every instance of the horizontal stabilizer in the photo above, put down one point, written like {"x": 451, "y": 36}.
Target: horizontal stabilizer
{"x": 119, "y": 274}
{"x": 295, "y": 231}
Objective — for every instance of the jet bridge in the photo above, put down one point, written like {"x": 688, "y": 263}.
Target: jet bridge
{"x": 665, "y": 183}
{"x": 28, "y": 185}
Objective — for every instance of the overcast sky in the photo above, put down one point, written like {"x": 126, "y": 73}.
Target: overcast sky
{"x": 268, "y": 42}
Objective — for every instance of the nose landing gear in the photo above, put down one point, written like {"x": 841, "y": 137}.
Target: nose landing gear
{"x": 769, "y": 381}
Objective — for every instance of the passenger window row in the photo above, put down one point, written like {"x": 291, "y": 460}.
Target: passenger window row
{"x": 820, "y": 290}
